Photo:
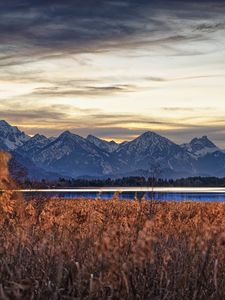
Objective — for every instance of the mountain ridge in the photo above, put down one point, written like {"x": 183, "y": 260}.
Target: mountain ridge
{"x": 71, "y": 155}
{"x": 200, "y": 146}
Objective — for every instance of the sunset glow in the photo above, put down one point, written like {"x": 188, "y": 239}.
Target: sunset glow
{"x": 119, "y": 71}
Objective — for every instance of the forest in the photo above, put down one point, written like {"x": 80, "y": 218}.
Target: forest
{"x": 125, "y": 182}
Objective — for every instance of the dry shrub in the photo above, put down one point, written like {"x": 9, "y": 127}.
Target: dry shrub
{"x": 95, "y": 249}
{"x": 4, "y": 172}
{"x": 11, "y": 203}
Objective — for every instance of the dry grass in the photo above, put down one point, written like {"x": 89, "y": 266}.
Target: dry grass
{"x": 85, "y": 249}
{"x": 4, "y": 172}
{"x": 93, "y": 249}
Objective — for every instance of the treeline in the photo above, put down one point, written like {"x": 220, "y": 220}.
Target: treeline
{"x": 126, "y": 182}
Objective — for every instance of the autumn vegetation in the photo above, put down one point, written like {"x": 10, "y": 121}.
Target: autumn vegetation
{"x": 100, "y": 249}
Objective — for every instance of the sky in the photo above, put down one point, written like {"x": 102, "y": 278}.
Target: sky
{"x": 114, "y": 68}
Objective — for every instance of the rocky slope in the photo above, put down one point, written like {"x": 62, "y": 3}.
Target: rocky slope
{"x": 71, "y": 155}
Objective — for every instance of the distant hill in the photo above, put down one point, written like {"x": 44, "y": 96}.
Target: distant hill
{"x": 71, "y": 156}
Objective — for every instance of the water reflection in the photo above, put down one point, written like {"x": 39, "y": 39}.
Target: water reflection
{"x": 130, "y": 195}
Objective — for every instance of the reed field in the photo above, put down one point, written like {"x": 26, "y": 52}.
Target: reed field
{"x": 108, "y": 249}
{"x": 98, "y": 249}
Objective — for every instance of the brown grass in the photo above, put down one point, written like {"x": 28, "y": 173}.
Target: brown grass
{"x": 4, "y": 172}
{"x": 93, "y": 249}
{"x": 87, "y": 249}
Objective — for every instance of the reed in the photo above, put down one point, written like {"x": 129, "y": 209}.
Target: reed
{"x": 93, "y": 249}
{"x": 96, "y": 249}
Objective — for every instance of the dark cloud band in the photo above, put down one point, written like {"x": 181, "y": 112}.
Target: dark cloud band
{"x": 34, "y": 30}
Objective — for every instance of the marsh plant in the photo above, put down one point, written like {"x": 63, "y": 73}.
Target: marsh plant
{"x": 96, "y": 249}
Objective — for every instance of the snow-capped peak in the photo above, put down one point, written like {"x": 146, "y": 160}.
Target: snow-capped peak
{"x": 11, "y": 137}
{"x": 34, "y": 144}
{"x": 152, "y": 139}
{"x": 102, "y": 144}
{"x": 200, "y": 146}
{"x": 38, "y": 137}
{"x": 3, "y": 123}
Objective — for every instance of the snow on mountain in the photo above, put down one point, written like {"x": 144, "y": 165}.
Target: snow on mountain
{"x": 200, "y": 146}
{"x": 151, "y": 148}
{"x": 52, "y": 139}
{"x": 212, "y": 164}
{"x": 21, "y": 146}
{"x": 123, "y": 143}
{"x": 102, "y": 144}
{"x": 31, "y": 170}
{"x": 73, "y": 155}
{"x": 34, "y": 144}
{"x": 11, "y": 137}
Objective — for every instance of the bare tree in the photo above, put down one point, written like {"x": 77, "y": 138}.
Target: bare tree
{"x": 152, "y": 172}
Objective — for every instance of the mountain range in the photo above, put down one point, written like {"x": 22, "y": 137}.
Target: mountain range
{"x": 71, "y": 156}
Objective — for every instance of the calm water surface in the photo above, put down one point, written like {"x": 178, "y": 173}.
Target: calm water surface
{"x": 163, "y": 194}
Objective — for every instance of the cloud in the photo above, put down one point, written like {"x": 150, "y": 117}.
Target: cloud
{"x": 46, "y": 115}
{"x": 186, "y": 109}
{"x": 161, "y": 79}
{"x": 84, "y": 90}
{"x": 210, "y": 27}
{"x": 37, "y": 36}
{"x": 59, "y": 117}
{"x": 34, "y": 30}
{"x": 54, "y": 119}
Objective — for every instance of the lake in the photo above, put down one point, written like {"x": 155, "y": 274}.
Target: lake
{"x": 159, "y": 193}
